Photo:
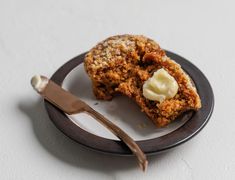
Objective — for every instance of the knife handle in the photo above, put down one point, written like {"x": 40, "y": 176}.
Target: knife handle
{"x": 121, "y": 135}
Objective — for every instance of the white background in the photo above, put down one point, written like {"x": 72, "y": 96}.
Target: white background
{"x": 37, "y": 37}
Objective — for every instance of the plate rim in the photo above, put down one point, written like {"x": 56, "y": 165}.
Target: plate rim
{"x": 150, "y": 146}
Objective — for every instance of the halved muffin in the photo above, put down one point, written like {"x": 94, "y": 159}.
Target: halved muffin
{"x": 124, "y": 63}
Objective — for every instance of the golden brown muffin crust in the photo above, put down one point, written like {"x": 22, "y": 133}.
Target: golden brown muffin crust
{"x": 121, "y": 64}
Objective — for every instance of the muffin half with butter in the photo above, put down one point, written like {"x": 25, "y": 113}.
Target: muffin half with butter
{"x": 137, "y": 67}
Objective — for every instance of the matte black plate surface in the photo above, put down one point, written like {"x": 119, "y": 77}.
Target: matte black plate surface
{"x": 151, "y": 146}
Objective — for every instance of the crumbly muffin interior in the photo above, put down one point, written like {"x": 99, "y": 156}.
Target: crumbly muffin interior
{"x": 121, "y": 65}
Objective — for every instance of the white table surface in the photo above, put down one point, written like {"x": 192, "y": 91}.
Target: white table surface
{"x": 37, "y": 37}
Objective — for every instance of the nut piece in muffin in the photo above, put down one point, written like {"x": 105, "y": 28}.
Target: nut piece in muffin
{"x": 122, "y": 64}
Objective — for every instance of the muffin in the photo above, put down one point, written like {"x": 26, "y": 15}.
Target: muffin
{"x": 136, "y": 66}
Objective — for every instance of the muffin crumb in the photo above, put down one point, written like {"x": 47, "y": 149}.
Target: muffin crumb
{"x": 121, "y": 64}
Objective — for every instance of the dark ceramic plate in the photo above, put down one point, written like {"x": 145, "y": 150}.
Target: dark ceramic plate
{"x": 192, "y": 124}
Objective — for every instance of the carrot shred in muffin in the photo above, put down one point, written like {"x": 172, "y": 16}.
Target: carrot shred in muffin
{"x": 122, "y": 64}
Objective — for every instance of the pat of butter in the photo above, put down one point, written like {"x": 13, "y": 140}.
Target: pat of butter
{"x": 160, "y": 86}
